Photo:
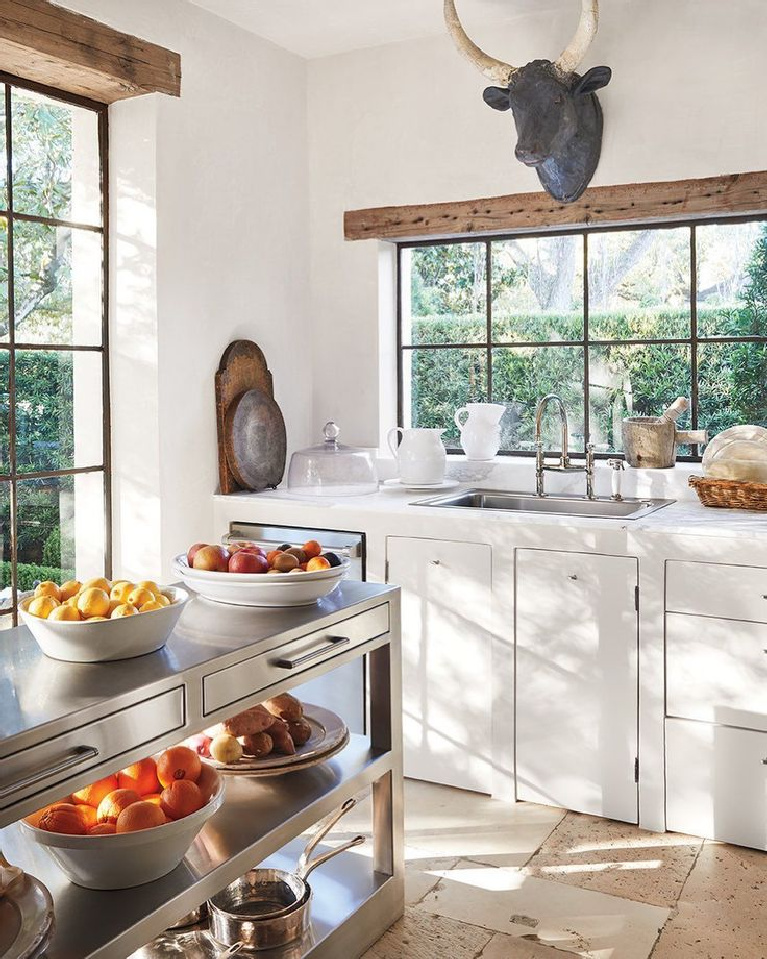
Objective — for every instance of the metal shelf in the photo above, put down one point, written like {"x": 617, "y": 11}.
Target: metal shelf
{"x": 258, "y": 818}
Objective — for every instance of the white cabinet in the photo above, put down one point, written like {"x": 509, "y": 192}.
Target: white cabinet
{"x": 576, "y": 682}
{"x": 446, "y": 659}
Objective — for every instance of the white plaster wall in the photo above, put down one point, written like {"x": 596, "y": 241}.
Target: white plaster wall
{"x": 405, "y": 123}
{"x": 209, "y": 232}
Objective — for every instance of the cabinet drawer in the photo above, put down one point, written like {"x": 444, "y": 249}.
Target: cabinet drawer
{"x": 716, "y": 671}
{"x": 716, "y": 782}
{"x": 714, "y": 589}
{"x": 227, "y": 687}
{"x": 30, "y": 771}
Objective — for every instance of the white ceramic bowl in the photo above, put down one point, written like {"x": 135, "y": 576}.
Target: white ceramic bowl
{"x": 124, "y": 860}
{"x": 260, "y": 589}
{"x": 100, "y": 642}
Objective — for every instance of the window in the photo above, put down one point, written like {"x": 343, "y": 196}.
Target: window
{"x": 54, "y": 411}
{"x": 616, "y": 321}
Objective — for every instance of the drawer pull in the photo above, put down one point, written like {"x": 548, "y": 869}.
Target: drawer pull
{"x": 764, "y": 761}
{"x": 573, "y": 577}
{"x": 81, "y": 754}
{"x": 334, "y": 642}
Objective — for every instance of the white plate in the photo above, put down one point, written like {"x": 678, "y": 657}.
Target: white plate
{"x": 261, "y": 589}
{"x": 26, "y": 918}
{"x": 329, "y": 732}
{"x": 420, "y": 487}
{"x": 105, "y": 641}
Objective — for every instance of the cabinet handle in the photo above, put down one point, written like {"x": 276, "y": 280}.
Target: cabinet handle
{"x": 764, "y": 761}
{"x": 436, "y": 562}
{"x": 334, "y": 642}
{"x": 573, "y": 577}
{"x": 81, "y": 754}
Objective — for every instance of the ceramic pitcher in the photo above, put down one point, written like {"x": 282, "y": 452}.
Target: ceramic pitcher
{"x": 420, "y": 455}
{"x": 481, "y": 430}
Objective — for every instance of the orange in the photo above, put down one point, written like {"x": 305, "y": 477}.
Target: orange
{"x": 93, "y": 601}
{"x": 178, "y": 762}
{"x": 139, "y": 595}
{"x": 93, "y": 794}
{"x": 122, "y": 610}
{"x": 69, "y": 589}
{"x": 120, "y": 591}
{"x": 151, "y": 606}
{"x": 63, "y": 817}
{"x": 312, "y": 548}
{"x": 113, "y": 804}
{"x": 42, "y": 606}
{"x": 34, "y": 818}
{"x": 317, "y": 563}
{"x": 102, "y": 829}
{"x": 141, "y": 815}
{"x": 89, "y": 815}
{"x": 48, "y": 588}
{"x": 181, "y": 799}
{"x": 208, "y": 782}
{"x": 98, "y": 583}
{"x": 141, "y": 777}
{"x": 152, "y": 797}
{"x": 65, "y": 614}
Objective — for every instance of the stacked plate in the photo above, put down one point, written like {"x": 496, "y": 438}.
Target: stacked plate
{"x": 26, "y": 919}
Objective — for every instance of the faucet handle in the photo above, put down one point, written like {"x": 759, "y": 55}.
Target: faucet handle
{"x": 617, "y": 464}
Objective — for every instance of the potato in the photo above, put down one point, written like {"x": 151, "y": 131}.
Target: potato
{"x": 300, "y": 732}
{"x": 285, "y": 707}
{"x": 280, "y": 735}
{"x": 250, "y": 721}
{"x": 256, "y": 744}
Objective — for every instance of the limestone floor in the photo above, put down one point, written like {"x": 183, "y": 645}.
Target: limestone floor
{"x": 485, "y": 880}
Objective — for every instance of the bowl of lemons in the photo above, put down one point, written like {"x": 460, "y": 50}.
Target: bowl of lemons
{"x": 101, "y": 620}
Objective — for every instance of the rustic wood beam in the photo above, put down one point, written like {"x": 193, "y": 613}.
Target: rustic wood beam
{"x": 743, "y": 194}
{"x": 56, "y": 47}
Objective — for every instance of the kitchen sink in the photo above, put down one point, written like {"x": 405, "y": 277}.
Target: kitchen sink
{"x": 600, "y": 507}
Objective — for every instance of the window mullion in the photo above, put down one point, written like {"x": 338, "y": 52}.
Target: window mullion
{"x": 11, "y": 359}
{"x": 489, "y": 318}
{"x": 694, "y": 395}
{"x": 586, "y": 357}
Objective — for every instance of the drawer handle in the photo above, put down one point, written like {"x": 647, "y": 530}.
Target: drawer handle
{"x": 81, "y": 754}
{"x": 334, "y": 642}
{"x": 573, "y": 577}
{"x": 764, "y": 761}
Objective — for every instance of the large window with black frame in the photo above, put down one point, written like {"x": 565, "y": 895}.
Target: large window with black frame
{"x": 54, "y": 415}
{"x": 616, "y": 321}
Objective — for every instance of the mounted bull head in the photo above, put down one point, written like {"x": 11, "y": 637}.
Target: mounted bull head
{"x": 556, "y": 111}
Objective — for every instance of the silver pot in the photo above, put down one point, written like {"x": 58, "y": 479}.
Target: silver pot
{"x": 270, "y": 907}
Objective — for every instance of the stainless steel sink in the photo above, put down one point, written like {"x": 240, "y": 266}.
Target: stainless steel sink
{"x": 600, "y": 507}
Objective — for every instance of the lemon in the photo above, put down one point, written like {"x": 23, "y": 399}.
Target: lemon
{"x": 140, "y": 595}
{"x": 93, "y": 602}
{"x": 69, "y": 589}
{"x": 98, "y": 583}
{"x": 123, "y": 610}
{"x": 42, "y": 606}
{"x": 65, "y": 614}
{"x": 163, "y": 600}
{"x": 121, "y": 591}
{"x": 97, "y": 619}
{"x": 151, "y": 605}
{"x": 48, "y": 588}
{"x": 149, "y": 584}
{"x": 72, "y": 601}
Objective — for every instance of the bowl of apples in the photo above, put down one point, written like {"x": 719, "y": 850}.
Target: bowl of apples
{"x": 248, "y": 574}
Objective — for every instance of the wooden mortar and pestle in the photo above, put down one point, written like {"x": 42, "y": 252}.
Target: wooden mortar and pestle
{"x": 650, "y": 442}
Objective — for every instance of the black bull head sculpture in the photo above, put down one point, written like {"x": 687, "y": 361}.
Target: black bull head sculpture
{"x": 556, "y": 111}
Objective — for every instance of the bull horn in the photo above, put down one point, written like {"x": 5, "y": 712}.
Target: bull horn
{"x": 495, "y": 70}
{"x": 575, "y": 51}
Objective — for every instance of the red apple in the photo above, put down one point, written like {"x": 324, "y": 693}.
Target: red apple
{"x": 246, "y": 562}
{"x": 253, "y": 549}
{"x": 214, "y": 559}
{"x": 193, "y": 550}
{"x": 200, "y": 743}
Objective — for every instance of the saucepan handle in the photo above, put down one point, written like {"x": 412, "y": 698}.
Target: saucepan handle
{"x": 324, "y": 829}
{"x": 357, "y": 841}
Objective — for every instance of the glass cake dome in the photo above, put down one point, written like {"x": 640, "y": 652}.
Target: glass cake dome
{"x": 331, "y": 469}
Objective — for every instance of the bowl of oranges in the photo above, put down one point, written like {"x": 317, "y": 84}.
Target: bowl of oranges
{"x": 101, "y": 620}
{"x": 248, "y": 574}
{"x": 132, "y": 827}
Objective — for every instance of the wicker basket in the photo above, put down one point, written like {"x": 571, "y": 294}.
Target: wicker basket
{"x": 729, "y": 494}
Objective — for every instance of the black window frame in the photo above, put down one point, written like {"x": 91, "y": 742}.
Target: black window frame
{"x": 12, "y": 346}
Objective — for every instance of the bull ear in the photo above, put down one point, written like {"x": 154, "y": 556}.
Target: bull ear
{"x": 593, "y": 80}
{"x": 497, "y": 98}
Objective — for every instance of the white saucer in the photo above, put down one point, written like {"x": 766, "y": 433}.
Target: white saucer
{"x": 420, "y": 487}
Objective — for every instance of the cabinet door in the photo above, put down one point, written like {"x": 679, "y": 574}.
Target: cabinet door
{"x": 446, "y": 659}
{"x": 576, "y": 682}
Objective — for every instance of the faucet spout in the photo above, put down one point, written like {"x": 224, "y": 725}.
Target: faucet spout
{"x": 564, "y": 462}
{"x": 552, "y": 398}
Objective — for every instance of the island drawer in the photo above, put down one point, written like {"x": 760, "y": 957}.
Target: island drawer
{"x": 716, "y": 589}
{"x": 227, "y": 687}
{"x": 716, "y": 670}
{"x": 716, "y": 782}
{"x": 30, "y": 771}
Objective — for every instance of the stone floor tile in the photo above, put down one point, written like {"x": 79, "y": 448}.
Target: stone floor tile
{"x": 729, "y": 875}
{"x": 507, "y": 947}
{"x": 617, "y": 858}
{"x": 420, "y": 935}
{"x": 551, "y": 913}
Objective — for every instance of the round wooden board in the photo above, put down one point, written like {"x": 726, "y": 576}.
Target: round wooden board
{"x": 256, "y": 442}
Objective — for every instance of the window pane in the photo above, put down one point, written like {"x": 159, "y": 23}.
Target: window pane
{"x": 5, "y": 462}
{"x": 639, "y": 284}
{"x": 3, "y": 154}
{"x": 521, "y": 377}
{"x": 58, "y": 410}
{"x": 60, "y": 528}
{"x": 55, "y": 158}
{"x": 437, "y": 383}
{"x": 3, "y": 279}
{"x": 634, "y": 381}
{"x": 732, "y": 279}
{"x": 538, "y": 289}
{"x": 6, "y": 595}
{"x": 731, "y": 385}
{"x": 57, "y": 275}
{"x": 444, "y": 294}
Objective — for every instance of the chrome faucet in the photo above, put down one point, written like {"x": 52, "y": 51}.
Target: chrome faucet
{"x": 564, "y": 465}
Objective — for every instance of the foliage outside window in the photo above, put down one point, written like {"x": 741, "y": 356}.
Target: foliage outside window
{"x": 54, "y": 482}
{"x": 617, "y": 322}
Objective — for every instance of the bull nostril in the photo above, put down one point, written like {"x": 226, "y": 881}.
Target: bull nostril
{"x": 527, "y": 156}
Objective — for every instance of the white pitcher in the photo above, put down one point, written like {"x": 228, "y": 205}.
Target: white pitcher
{"x": 420, "y": 455}
{"x": 481, "y": 430}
